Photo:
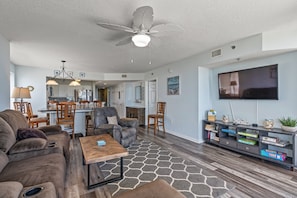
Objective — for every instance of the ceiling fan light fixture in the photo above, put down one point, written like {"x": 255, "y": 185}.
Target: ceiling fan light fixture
{"x": 141, "y": 40}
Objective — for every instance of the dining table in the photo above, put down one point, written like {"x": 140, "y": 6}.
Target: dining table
{"x": 79, "y": 119}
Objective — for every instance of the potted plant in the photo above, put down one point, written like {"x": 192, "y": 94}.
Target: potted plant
{"x": 288, "y": 124}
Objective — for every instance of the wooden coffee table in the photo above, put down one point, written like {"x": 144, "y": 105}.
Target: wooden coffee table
{"x": 92, "y": 154}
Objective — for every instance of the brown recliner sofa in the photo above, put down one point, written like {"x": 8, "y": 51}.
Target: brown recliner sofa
{"x": 39, "y": 158}
{"x": 56, "y": 140}
{"x": 33, "y": 171}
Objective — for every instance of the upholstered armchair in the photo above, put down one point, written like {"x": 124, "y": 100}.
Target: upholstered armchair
{"x": 123, "y": 130}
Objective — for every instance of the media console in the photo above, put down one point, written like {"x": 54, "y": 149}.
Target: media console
{"x": 273, "y": 145}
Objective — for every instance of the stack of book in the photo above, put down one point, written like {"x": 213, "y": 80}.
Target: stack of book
{"x": 247, "y": 134}
{"x": 214, "y": 137}
{"x": 274, "y": 141}
{"x": 247, "y": 141}
{"x": 211, "y": 128}
{"x": 230, "y": 131}
{"x": 274, "y": 154}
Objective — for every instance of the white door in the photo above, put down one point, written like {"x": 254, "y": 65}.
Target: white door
{"x": 152, "y": 97}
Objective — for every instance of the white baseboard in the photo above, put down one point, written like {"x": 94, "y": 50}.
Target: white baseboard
{"x": 185, "y": 137}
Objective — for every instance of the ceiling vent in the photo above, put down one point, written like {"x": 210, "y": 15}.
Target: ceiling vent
{"x": 217, "y": 52}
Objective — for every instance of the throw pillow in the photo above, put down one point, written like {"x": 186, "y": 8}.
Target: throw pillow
{"x": 112, "y": 120}
{"x": 24, "y": 133}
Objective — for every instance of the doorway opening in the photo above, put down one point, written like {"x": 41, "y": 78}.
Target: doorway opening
{"x": 152, "y": 97}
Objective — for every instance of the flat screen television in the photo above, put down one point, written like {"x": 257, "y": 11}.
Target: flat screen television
{"x": 254, "y": 83}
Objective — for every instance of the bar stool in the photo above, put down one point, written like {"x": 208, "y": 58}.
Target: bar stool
{"x": 158, "y": 118}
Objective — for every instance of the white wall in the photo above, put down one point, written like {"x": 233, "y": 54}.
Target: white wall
{"x": 199, "y": 93}
{"x": 256, "y": 111}
{"x": 118, "y": 98}
{"x": 130, "y": 94}
{"x": 4, "y": 74}
{"x": 36, "y": 77}
{"x": 181, "y": 117}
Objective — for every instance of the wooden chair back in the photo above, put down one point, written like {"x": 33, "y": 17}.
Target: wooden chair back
{"x": 84, "y": 103}
{"x": 20, "y": 106}
{"x": 34, "y": 120}
{"x": 161, "y": 108}
{"x": 66, "y": 114}
{"x": 97, "y": 103}
{"x": 29, "y": 110}
{"x": 158, "y": 118}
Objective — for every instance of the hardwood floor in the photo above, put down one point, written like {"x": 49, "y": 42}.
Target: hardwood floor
{"x": 251, "y": 177}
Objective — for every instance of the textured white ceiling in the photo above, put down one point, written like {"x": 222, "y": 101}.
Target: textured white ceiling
{"x": 42, "y": 33}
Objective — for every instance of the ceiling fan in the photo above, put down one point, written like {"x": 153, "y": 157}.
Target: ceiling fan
{"x": 142, "y": 29}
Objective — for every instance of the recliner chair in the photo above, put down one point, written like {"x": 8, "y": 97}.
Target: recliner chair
{"x": 123, "y": 130}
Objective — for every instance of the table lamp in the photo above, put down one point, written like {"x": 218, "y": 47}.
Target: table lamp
{"x": 21, "y": 92}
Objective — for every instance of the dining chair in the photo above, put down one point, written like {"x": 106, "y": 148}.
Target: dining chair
{"x": 97, "y": 103}
{"x": 34, "y": 120}
{"x": 65, "y": 115}
{"x": 158, "y": 118}
{"x": 84, "y": 103}
{"x": 20, "y": 106}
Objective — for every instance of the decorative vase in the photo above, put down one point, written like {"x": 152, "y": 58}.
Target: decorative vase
{"x": 225, "y": 118}
{"x": 268, "y": 124}
{"x": 290, "y": 129}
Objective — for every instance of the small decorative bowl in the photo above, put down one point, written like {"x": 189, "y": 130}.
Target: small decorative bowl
{"x": 268, "y": 124}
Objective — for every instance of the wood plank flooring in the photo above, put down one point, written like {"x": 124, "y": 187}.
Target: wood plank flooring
{"x": 251, "y": 177}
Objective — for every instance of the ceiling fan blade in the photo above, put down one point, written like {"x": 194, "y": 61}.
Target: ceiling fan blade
{"x": 115, "y": 27}
{"x": 143, "y": 18}
{"x": 167, "y": 29}
{"x": 124, "y": 42}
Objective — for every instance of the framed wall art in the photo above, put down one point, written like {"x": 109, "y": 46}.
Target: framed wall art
{"x": 173, "y": 85}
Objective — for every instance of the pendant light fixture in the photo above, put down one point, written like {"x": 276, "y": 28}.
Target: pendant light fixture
{"x": 63, "y": 74}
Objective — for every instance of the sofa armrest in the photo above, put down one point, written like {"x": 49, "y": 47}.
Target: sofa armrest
{"x": 114, "y": 130}
{"x": 51, "y": 129}
{"x": 117, "y": 133}
{"x": 31, "y": 147}
{"x": 11, "y": 189}
{"x": 29, "y": 144}
{"x": 21, "y": 156}
{"x": 103, "y": 129}
{"x": 129, "y": 122}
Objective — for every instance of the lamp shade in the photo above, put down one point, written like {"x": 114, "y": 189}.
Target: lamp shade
{"x": 141, "y": 40}
{"x": 52, "y": 82}
{"x": 20, "y": 92}
{"x": 74, "y": 83}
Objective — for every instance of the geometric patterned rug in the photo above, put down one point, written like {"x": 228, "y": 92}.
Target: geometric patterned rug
{"x": 148, "y": 161}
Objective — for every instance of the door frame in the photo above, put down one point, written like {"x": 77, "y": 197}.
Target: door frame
{"x": 147, "y": 96}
